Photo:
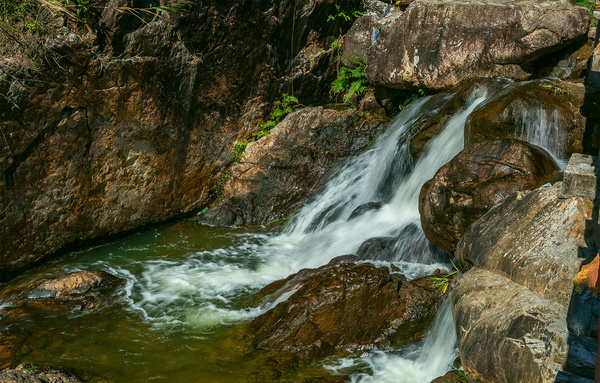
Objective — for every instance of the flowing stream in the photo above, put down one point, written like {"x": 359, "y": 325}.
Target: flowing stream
{"x": 188, "y": 284}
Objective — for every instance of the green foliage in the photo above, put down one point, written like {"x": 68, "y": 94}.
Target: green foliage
{"x": 238, "y": 151}
{"x": 346, "y": 15}
{"x": 460, "y": 376}
{"x": 222, "y": 181}
{"x": 283, "y": 107}
{"x": 589, "y": 5}
{"x": 444, "y": 282}
{"x": 31, "y": 368}
{"x": 335, "y": 45}
{"x": 351, "y": 80}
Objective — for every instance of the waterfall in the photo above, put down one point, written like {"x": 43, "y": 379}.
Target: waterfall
{"x": 201, "y": 289}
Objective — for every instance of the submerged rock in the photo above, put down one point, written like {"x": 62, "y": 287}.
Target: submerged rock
{"x": 84, "y": 290}
{"x": 10, "y": 345}
{"x": 475, "y": 180}
{"x": 277, "y": 172}
{"x": 346, "y": 307}
{"x": 438, "y": 44}
{"x": 533, "y": 111}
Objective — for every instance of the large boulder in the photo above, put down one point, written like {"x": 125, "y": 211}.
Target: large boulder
{"x": 506, "y": 332}
{"x": 536, "y": 239}
{"x": 546, "y": 113}
{"x": 345, "y": 307}
{"x": 277, "y": 172}
{"x": 475, "y": 180}
{"x": 437, "y": 44}
{"x": 517, "y": 313}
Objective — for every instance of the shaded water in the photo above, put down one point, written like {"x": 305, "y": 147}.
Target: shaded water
{"x": 188, "y": 285}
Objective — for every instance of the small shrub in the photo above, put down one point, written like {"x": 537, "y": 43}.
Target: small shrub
{"x": 222, "y": 181}
{"x": 238, "y": 151}
{"x": 444, "y": 282}
{"x": 351, "y": 80}
{"x": 283, "y": 107}
{"x": 346, "y": 15}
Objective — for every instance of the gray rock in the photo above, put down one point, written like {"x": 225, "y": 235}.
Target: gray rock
{"x": 506, "y": 332}
{"x": 29, "y": 374}
{"x": 438, "y": 44}
{"x": 536, "y": 239}
{"x": 581, "y": 177}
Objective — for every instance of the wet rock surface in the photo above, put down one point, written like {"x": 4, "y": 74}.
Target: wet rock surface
{"x": 278, "y": 171}
{"x": 553, "y": 105}
{"x": 445, "y": 106}
{"x": 30, "y": 374}
{"x": 345, "y": 307}
{"x": 455, "y": 41}
{"x": 475, "y": 180}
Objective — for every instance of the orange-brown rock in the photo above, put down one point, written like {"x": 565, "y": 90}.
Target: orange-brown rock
{"x": 346, "y": 307}
{"x": 475, "y": 180}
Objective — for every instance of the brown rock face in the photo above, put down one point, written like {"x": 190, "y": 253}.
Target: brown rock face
{"x": 474, "y": 181}
{"x": 345, "y": 307}
{"x": 276, "y": 172}
{"x": 444, "y": 107}
{"x": 554, "y": 105}
{"x": 135, "y": 128}
{"x": 438, "y": 44}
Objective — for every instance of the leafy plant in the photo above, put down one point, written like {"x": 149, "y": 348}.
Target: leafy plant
{"x": 345, "y": 15}
{"x": 460, "y": 376}
{"x": 351, "y": 80}
{"x": 222, "y": 181}
{"x": 238, "y": 151}
{"x": 444, "y": 282}
{"x": 283, "y": 107}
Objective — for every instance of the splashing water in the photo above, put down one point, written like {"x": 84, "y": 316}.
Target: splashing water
{"x": 201, "y": 289}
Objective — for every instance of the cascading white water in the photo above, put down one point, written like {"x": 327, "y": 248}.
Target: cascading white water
{"x": 201, "y": 289}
